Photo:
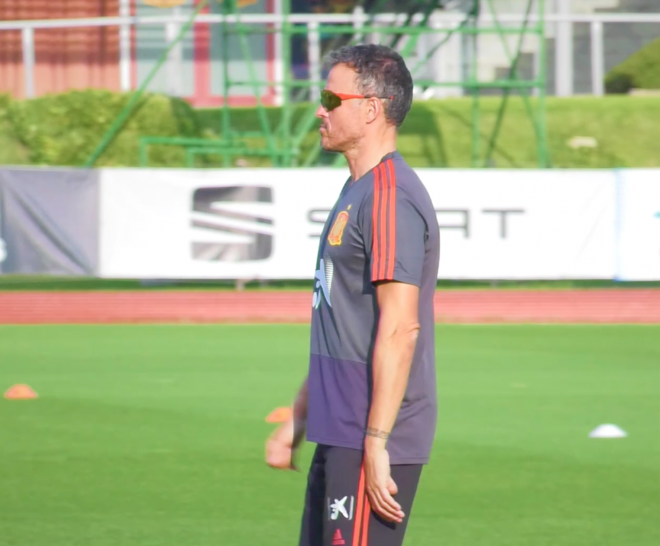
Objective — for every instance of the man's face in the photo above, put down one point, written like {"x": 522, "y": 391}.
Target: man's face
{"x": 342, "y": 127}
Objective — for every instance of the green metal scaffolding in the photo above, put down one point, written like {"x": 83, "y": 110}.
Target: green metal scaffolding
{"x": 282, "y": 145}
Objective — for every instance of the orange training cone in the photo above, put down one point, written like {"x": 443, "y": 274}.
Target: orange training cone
{"x": 20, "y": 392}
{"x": 279, "y": 415}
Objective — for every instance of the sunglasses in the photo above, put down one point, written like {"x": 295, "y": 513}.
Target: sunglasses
{"x": 330, "y": 100}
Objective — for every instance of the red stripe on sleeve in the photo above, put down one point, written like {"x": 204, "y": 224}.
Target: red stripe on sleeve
{"x": 382, "y": 223}
{"x": 391, "y": 249}
{"x": 375, "y": 249}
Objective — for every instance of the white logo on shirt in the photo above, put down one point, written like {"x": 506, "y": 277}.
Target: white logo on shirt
{"x": 323, "y": 278}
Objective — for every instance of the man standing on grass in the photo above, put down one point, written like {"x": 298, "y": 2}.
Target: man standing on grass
{"x": 369, "y": 401}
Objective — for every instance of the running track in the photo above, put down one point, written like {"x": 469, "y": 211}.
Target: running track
{"x": 460, "y": 306}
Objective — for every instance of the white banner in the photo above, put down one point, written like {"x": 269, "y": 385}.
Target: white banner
{"x": 265, "y": 223}
{"x": 638, "y": 225}
{"x": 3, "y": 246}
{"x": 199, "y": 224}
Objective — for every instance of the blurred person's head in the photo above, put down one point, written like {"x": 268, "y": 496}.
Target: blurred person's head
{"x": 366, "y": 99}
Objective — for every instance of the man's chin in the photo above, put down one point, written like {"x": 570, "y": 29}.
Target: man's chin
{"x": 328, "y": 147}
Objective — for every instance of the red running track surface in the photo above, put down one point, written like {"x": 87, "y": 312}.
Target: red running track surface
{"x": 459, "y": 306}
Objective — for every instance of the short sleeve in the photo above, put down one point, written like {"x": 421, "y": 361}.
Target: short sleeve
{"x": 394, "y": 232}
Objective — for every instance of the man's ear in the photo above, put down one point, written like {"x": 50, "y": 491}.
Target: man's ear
{"x": 374, "y": 109}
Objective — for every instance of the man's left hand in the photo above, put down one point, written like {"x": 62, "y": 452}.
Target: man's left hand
{"x": 380, "y": 485}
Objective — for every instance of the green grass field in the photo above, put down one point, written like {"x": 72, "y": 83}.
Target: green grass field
{"x": 153, "y": 435}
{"x": 50, "y": 283}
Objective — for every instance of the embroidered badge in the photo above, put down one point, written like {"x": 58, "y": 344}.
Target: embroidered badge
{"x": 337, "y": 231}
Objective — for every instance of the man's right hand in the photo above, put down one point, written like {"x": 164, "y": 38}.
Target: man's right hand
{"x": 281, "y": 447}
{"x": 283, "y": 443}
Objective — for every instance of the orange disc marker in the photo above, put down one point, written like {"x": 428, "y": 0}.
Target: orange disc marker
{"x": 20, "y": 392}
{"x": 279, "y": 415}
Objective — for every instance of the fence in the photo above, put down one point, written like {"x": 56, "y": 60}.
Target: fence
{"x": 561, "y": 25}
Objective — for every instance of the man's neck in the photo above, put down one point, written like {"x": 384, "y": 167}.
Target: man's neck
{"x": 364, "y": 158}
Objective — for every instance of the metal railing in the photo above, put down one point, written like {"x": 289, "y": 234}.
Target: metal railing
{"x": 173, "y": 21}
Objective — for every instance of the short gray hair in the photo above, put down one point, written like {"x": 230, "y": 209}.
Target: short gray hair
{"x": 381, "y": 72}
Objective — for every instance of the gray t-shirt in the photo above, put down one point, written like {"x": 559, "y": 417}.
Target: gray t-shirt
{"x": 383, "y": 227}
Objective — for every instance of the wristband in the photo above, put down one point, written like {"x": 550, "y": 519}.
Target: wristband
{"x": 374, "y": 432}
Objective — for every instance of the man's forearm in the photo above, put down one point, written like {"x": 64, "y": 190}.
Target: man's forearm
{"x": 392, "y": 358}
{"x": 299, "y": 413}
{"x": 301, "y": 401}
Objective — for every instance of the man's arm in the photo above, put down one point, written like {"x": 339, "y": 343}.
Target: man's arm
{"x": 396, "y": 338}
{"x": 283, "y": 442}
{"x": 299, "y": 416}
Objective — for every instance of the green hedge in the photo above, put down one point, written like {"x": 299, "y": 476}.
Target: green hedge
{"x": 639, "y": 71}
{"x": 437, "y": 133}
{"x": 65, "y": 129}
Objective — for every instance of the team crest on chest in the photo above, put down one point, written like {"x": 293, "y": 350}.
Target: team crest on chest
{"x": 337, "y": 230}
